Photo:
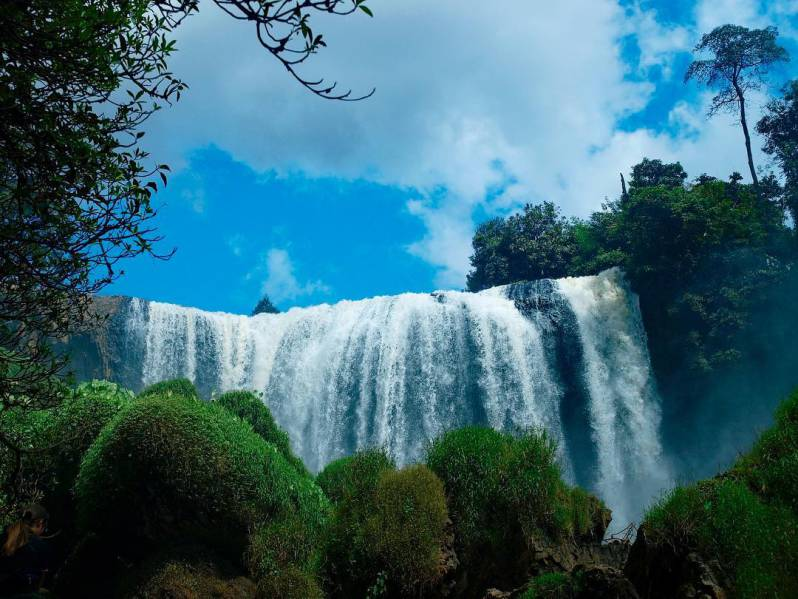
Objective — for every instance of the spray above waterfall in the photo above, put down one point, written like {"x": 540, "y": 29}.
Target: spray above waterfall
{"x": 568, "y": 356}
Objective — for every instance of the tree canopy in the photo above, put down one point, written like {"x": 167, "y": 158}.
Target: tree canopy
{"x": 537, "y": 243}
{"x": 265, "y": 306}
{"x": 779, "y": 127}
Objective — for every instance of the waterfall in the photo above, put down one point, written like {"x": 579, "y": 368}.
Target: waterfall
{"x": 566, "y": 355}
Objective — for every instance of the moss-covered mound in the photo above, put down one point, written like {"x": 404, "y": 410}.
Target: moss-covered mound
{"x": 387, "y": 530}
{"x": 169, "y": 466}
{"x": 182, "y": 387}
{"x": 249, "y": 406}
{"x": 406, "y": 527}
{"x": 506, "y": 496}
{"x": 771, "y": 467}
{"x": 185, "y": 573}
{"x": 57, "y": 439}
{"x": 742, "y": 525}
{"x": 354, "y": 477}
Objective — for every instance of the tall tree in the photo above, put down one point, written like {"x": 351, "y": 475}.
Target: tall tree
{"x": 779, "y": 127}
{"x": 738, "y": 63}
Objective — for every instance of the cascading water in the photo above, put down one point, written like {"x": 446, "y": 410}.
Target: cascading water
{"x": 568, "y": 355}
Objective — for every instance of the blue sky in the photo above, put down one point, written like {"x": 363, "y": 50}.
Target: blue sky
{"x": 476, "y": 112}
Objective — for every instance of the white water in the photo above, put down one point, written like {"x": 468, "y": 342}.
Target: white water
{"x": 398, "y": 371}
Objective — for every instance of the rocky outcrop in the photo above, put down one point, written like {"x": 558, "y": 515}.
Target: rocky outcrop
{"x": 662, "y": 571}
{"x": 105, "y": 349}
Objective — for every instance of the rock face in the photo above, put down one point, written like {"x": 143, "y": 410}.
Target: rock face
{"x": 106, "y": 349}
{"x": 663, "y": 572}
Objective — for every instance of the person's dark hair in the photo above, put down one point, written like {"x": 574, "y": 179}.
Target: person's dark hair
{"x": 20, "y": 532}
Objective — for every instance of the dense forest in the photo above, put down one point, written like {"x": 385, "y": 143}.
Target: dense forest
{"x": 105, "y": 493}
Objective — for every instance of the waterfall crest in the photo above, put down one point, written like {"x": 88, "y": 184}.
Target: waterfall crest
{"x": 567, "y": 355}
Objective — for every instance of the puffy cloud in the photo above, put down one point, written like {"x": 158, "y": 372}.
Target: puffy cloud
{"x": 281, "y": 283}
{"x": 479, "y": 108}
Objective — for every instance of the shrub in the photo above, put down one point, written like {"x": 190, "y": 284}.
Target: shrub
{"x": 284, "y": 557}
{"x": 350, "y": 483}
{"x": 249, "y": 406}
{"x": 468, "y": 461}
{"x": 554, "y": 585}
{"x": 771, "y": 468}
{"x": 722, "y": 519}
{"x": 355, "y": 475}
{"x": 506, "y": 495}
{"x": 190, "y": 469}
{"x": 388, "y": 526}
{"x": 58, "y": 438}
{"x": 182, "y": 387}
{"x": 184, "y": 573}
{"x": 405, "y": 531}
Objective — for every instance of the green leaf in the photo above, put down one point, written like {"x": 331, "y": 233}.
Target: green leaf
{"x": 366, "y": 10}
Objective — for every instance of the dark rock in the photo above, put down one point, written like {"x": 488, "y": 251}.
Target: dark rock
{"x": 448, "y": 564}
{"x": 662, "y": 571}
{"x": 604, "y": 582}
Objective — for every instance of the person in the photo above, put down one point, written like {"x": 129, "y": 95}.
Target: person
{"x": 25, "y": 555}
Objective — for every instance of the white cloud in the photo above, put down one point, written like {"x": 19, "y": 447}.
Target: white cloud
{"x": 468, "y": 96}
{"x": 658, "y": 43}
{"x": 749, "y": 13}
{"x": 281, "y": 284}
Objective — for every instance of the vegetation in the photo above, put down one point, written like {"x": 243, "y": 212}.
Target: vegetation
{"x": 55, "y": 440}
{"x": 176, "y": 387}
{"x": 354, "y": 476}
{"x": 387, "y": 530}
{"x": 265, "y": 306}
{"x": 506, "y": 496}
{"x": 771, "y": 467}
{"x": 739, "y": 61}
{"x": 554, "y": 585}
{"x": 502, "y": 248}
{"x": 405, "y": 530}
{"x": 196, "y": 472}
{"x": 249, "y": 406}
{"x": 78, "y": 80}
{"x": 779, "y": 127}
{"x": 745, "y": 519}
{"x": 700, "y": 257}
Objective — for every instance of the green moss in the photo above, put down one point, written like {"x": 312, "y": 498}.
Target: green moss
{"x": 354, "y": 477}
{"x": 284, "y": 557}
{"x": 59, "y": 437}
{"x": 181, "y": 574}
{"x": 190, "y": 468}
{"x": 351, "y": 483}
{"x": 506, "y": 493}
{"x": 755, "y": 543}
{"x": 746, "y": 519}
{"x": 553, "y": 585}
{"x": 405, "y": 531}
{"x": 771, "y": 468}
{"x": 182, "y": 387}
{"x": 469, "y": 462}
{"x": 249, "y": 406}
